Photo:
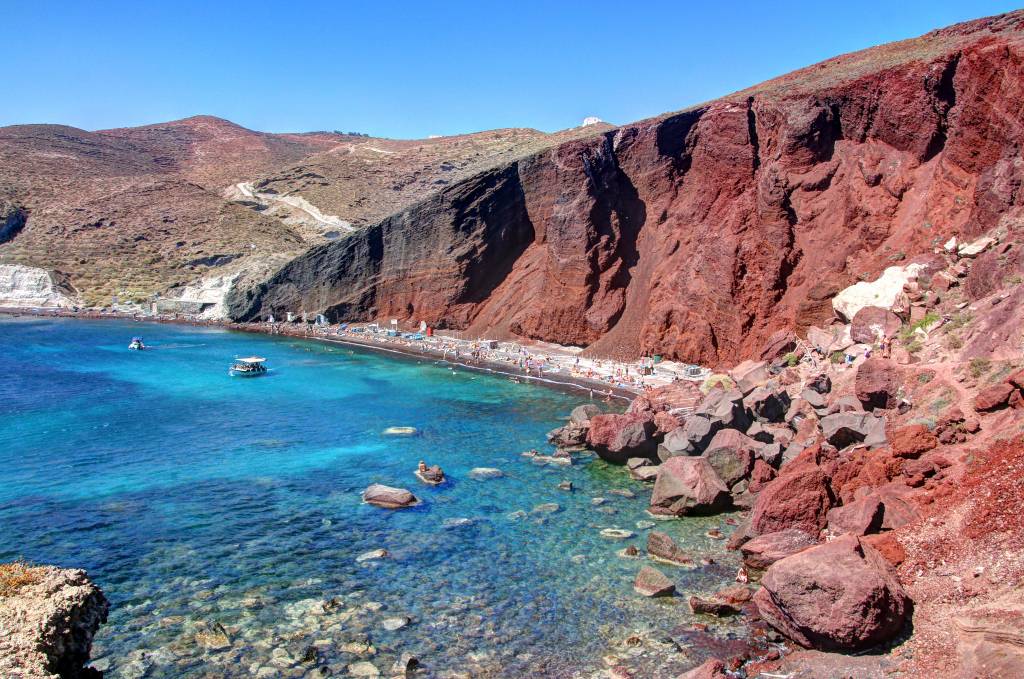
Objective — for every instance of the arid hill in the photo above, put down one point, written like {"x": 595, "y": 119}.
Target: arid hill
{"x": 698, "y": 234}
{"x": 134, "y": 212}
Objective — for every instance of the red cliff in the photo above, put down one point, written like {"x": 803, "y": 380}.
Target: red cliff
{"x": 698, "y": 234}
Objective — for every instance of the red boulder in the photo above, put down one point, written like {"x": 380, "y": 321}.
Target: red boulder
{"x": 912, "y": 440}
{"x": 839, "y": 596}
{"x": 872, "y": 322}
{"x": 688, "y": 485}
{"x": 877, "y": 383}
{"x": 993, "y": 398}
{"x": 799, "y": 498}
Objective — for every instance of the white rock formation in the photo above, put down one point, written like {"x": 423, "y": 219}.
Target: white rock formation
{"x": 212, "y": 290}
{"x": 24, "y": 287}
{"x": 885, "y": 292}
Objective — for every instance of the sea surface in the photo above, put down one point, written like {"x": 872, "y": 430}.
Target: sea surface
{"x": 222, "y": 516}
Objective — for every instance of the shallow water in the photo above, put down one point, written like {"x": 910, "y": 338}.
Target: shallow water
{"x": 222, "y": 516}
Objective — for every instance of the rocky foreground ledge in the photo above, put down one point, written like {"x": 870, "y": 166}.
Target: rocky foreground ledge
{"x": 48, "y": 617}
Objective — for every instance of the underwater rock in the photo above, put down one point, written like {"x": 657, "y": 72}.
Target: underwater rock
{"x": 483, "y": 473}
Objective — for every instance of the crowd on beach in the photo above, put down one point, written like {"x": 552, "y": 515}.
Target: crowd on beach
{"x": 521, "y": 360}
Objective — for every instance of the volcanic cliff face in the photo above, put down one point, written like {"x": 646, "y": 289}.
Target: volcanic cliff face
{"x": 697, "y": 234}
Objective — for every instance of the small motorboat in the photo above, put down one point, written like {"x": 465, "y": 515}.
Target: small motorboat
{"x": 250, "y": 366}
{"x": 136, "y": 344}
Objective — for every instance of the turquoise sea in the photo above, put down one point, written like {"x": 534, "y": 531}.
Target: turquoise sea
{"x": 222, "y": 516}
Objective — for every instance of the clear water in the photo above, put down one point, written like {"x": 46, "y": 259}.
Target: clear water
{"x": 219, "y": 514}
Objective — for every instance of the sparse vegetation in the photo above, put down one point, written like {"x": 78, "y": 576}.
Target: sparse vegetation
{"x": 944, "y": 400}
{"x": 958, "y": 321}
{"x": 914, "y": 346}
{"x": 15, "y": 575}
{"x": 908, "y": 330}
{"x": 791, "y": 359}
{"x": 836, "y": 357}
{"x": 979, "y": 366}
{"x": 723, "y": 381}
{"x": 953, "y": 342}
{"x": 925, "y": 378}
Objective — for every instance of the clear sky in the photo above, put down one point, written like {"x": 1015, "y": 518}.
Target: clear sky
{"x": 403, "y": 69}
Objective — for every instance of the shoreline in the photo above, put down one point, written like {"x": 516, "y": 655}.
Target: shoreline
{"x": 598, "y": 389}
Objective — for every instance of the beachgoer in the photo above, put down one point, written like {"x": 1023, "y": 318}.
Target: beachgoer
{"x": 422, "y": 466}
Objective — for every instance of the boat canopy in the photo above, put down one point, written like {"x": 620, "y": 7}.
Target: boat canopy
{"x": 251, "y": 359}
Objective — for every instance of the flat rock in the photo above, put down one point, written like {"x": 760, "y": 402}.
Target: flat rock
{"x": 484, "y": 473}
{"x": 373, "y": 555}
{"x": 764, "y": 550}
{"x": 661, "y": 547}
{"x": 388, "y": 497}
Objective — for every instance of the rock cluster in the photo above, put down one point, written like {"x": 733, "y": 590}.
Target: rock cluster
{"x": 48, "y": 624}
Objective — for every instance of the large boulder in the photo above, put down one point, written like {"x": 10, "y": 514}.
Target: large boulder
{"x": 688, "y": 485}
{"x": 616, "y": 438}
{"x": 849, "y": 428}
{"x": 690, "y": 439}
{"x": 48, "y": 622}
{"x": 764, "y": 550}
{"x": 389, "y": 498}
{"x": 878, "y": 383}
{"x": 749, "y": 375}
{"x": 871, "y": 324}
{"x": 885, "y": 292}
{"x": 860, "y": 517}
{"x": 799, "y": 497}
{"x": 993, "y": 398}
{"x": 912, "y": 441}
{"x": 768, "y": 403}
{"x": 839, "y": 596}
{"x": 781, "y": 342}
{"x": 582, "y": 414}
{"x": 641, "y": 469}
{"x": 731, "y": 455}
{"x": 725, "y": 408}
{"x": 570, "y": 436}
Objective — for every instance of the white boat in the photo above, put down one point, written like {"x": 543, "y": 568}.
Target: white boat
{"x": 250, "y": 366}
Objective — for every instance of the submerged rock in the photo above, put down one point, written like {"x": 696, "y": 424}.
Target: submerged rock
{"x": 483, "y": 473}
{"x": 387, "y": 497}
{"x": 652, "y": 582}
{"x": 663, "y": 548}
{"x": 48, "y": 617}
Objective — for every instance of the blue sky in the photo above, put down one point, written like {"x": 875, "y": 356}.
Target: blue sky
{"x": 410, "y": 70}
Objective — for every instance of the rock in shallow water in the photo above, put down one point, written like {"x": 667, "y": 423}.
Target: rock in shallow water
{"x": 483, "y": 473}
{"x": 387, "y": 497}
{"x": 652, "y": 582}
